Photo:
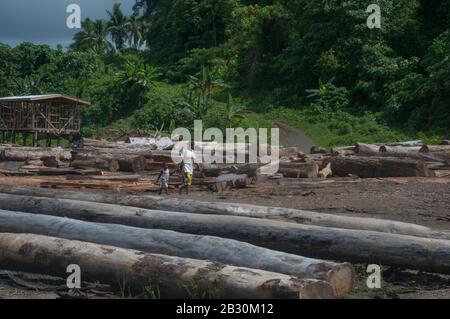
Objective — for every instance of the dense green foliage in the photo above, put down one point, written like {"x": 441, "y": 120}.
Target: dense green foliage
{"x": 313, "y": 64}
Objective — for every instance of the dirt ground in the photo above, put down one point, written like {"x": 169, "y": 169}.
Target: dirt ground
{"x": 417, "y": 200}
{"x": 424, "y": 201}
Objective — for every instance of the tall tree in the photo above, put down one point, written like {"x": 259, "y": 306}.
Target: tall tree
{"x": 94, "y": 36}
{"x": 137, "y": 28}
{"x": 117, "y": 26}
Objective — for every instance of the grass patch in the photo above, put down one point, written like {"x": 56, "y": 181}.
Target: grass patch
{"x": 338, "y": 128}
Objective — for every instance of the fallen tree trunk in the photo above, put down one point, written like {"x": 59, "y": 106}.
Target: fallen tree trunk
{"x": 367, "y": 149}
{"x": 134, "y": 164}
{"x": 173, "y": 277}
{"x": 235, "y": 180}
{"x": 215, "y": 170}
{"x": 417, "y": 143}
{"x": 24, "y": 154}
{"x": 435, "y": 148}
{"x": 122, "y": 178}
{"x": 51, "y": 161}
{"x": 387, "y": 150}
{"x": 288, "y": 152}
{"x": 300, "y": 170}
{"x": 127, "y": 163}
{"x": 181, "y": 245}
{"x": 111, "y": 165}
{"x": 357, "y": 246}
{"x": 372, "y": 167}
{"x": 230, "y": 209}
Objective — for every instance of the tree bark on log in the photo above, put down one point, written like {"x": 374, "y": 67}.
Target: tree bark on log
{"x": 215, "y": 170}
{"x": 227, "y": 209}
{"x": 435, "y": 148}
{"x": 301, "y": 170}
{"x": 372, "y": 167}
{"x": 158, "y": 241}
{"x": 387, "y": 150}
{"x": 51, "y": 161}
{"x": 127, "y": 163}
{"x": 24, "y": 154}
{"x": 367, "y": 149}
{"x": 357, "y": 246}
{"x": 288, "y": 152}
{"x": 111, "y": 165}
{"x": 417, "y": 143}
{"x": 170, "y": 275}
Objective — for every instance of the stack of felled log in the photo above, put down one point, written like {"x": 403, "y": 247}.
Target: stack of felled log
{"x": 403, "y": 159}
{"x": 226, "y": 250}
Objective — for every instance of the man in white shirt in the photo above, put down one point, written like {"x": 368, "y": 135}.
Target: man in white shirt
{"x": 187, "y": 168}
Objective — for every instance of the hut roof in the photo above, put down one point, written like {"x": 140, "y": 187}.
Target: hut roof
{"x": 44, "y": 97}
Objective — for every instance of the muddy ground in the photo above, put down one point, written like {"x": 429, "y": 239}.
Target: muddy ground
{"x": 423, "y": 201}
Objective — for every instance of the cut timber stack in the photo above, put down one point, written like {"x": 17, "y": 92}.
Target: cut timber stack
{"x": 172, "y": 275}
{"x": 372, "y": 167}
{"x": 219, "y": 208}
{"x": 111, "y": 165}
{"x": 432, "y": 255}
{"x": 126, "y": 162}
{"x": 32, "y": 153}
{"x": 232, "y": 252}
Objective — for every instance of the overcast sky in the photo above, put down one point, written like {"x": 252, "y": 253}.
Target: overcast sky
{"x": 44, "y": 21}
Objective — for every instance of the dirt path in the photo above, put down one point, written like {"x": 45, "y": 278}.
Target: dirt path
{"x": 291, "y": 136}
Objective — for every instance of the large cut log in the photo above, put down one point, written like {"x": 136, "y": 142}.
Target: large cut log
{"x": 51, "y": 161}
{"x": 27, "y": 153}
{"x": 131, "y": 163}
{"x": 172, "y": 276}
{"x": 417, "y": 143}
{"x": 435, "y": 148}
{"x": 234, "y": 180}
{"x": 301, "y": 170}
{"x": 442, "y": 173}
{"x": 288, "y": 152}
{"x": 111, "y": 165}
{"x": 228, "y": 251}
{"x": 388, "y": 150}
{"x": 367, "y": 149}
{"x": 215, "y": 170}
{"x": 127, "y": 162}
{"x": 231, "y": 209}
{"x": 357, "y": 246}
{"x": 372, "y": 167}
{"x": 343, "y": 152}
{"x": 122, "y": 178}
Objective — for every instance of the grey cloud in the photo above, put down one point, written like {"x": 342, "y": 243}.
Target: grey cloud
{"x": 44, "y": 21}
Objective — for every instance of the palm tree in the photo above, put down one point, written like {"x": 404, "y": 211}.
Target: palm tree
{"x": 117, "y": 26}
{"x": 93, "y": 37}
{"x": 137, "y": 27}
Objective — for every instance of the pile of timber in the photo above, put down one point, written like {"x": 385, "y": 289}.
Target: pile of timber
{"x": 230, "y": 249}
{"x": 401, "y": 159}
